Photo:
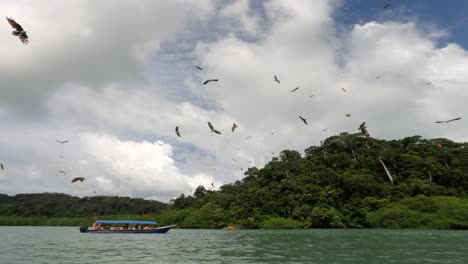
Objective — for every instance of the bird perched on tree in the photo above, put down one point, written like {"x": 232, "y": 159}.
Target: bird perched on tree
{"x": 19, "y": 31}
{"x": 213, "y": 129}
{"x": 448, "y": 121}
{"x": 78, "y": 179}
{"x": 210, "y": 80}
{"x": 303, "y": 120}
{"x": 234, "y": 126}
{"x": 276, "y": 79}
{"x": 363, "y": 129}
{"x": 177, "y": 131}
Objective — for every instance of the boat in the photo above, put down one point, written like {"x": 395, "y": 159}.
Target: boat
{"x": 99, "y": 227}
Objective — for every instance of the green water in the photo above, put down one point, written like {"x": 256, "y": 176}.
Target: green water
{"x": 67, "y": 245}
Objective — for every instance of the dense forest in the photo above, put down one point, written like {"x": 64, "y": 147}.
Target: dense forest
{"x": 347, "y": 181}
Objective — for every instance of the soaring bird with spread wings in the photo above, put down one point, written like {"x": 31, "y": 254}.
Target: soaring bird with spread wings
{"x": 177, "y": 131}
{"x": 210, "y": 80}
{"x": 213, "y": 129}
{"x": 363, "y": 129}
{"x": 303, "y": 120}
{"x": 295, "y": 89}
{"x": 62, "y": 142}
{"x": 234, "y": 126}
{"x": 78, "y": 179}
{"x": 448, "y": 121}
{"x": 19, "y": 31}
{"x": 276, "y": 79}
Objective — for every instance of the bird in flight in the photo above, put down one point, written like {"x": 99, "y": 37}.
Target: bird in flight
{"x": 213, "y": 129}
{"x": 448, "y": 121}
{"x": 62, "y": 142}
{"x": 94, "y": 191}
{"x": 62, "y": 172}
{"x": 363, "y": 129}
{"x": 19, "y": 31}
{"x": 200, "y": 68}
{"x": 276, "y": 79}
{"x": 78, "y": 179}
{"x": 234, "y": 126}
{"x": 177, "y": 131}
{"x": 429, "y": 83}
{"x": 348, "y": 114}
{"x": 387, "y": 5}
{"x": 248, "y": 137}
{"x": 210, "y": 80}
{"x": 303, "y": 120}
{"x": 2, "y": 167}
{"x": 295, "y": 89}
{"x": 160, "y": 144}
{"x": 312, "y": 95}
{"x": 325, "y": 129}
{"x": 344, "y": 90}
{"x": 212, "y": 184}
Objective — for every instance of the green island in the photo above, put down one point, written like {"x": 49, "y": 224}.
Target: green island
{"x": 349, "y": 181}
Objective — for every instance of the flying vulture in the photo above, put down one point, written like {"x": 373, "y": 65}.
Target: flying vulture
{"x": 344, "y": 90}
{"x": 295, "y": 89}
{"x": 62, "y": 172}
{"x": 303, "y": 120}
{"x": 348, "y": 115}
{"x": 325, "y": 129}
{"x": 234, "y": 126}
{"x": 213, "y": 129}
{"x": 448, "y": 121}
{"x": 312, "y": 95}
{"x": 62, "y": 142}
{"x": 210, "y": 80}
{"x": 363, "y": 129}
{"x": 2, "y": 167}
{"x": 428, "y": 83}
{"x": 276, "y": 79}
{"x": 78, "y": 179}
{"x": 387, "y": 5}
{"x": 177, "y": 131}
{"x": 200, "y": 68}
{"x": 19, "y": 31}
{"x": 248, "y": 137}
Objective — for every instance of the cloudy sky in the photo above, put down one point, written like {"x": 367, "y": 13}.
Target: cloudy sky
{"x": 116, "y": 77}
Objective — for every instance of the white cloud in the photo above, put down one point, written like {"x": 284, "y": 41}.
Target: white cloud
{"x": 96, "y": 84}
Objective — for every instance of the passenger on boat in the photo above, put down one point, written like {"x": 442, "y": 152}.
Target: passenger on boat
{"x": 107, "y": 227}
{"x": 116, "y": 228}
{"x": 146, "y": 228}
{"x": 139, "y": 227}
{"x": 125, "y": 227}
{"x": 152, "y": 227}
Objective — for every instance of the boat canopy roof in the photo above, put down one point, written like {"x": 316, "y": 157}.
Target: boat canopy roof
{"x": 133, "y": 222}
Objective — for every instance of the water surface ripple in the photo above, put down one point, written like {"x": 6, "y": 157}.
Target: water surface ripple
{"x": 67, "y": 245}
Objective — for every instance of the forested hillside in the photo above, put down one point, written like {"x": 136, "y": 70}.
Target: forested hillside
{"x": 342, "y": 183}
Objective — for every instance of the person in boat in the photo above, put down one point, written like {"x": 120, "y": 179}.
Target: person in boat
{"x": 125, "y": 227}
{"x": 116, "y": 228}
{"x": 152, "y": 227}
{"x": 146, "y": 228}
{"x": 107, "y": 227}
{"x": 139, "y": 227}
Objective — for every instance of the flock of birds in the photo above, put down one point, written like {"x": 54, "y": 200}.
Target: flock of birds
{"x": 21, "y": 34}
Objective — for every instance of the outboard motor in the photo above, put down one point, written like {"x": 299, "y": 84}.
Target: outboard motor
{"x": 83, "y": 229}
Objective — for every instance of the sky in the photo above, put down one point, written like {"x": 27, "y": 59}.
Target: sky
{"x": 114, "y": 79}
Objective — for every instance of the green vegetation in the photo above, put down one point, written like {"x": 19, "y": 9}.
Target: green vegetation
{"x": 338, "y": 184}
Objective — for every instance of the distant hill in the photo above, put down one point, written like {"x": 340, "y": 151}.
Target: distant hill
{"x": 63, "y": 205}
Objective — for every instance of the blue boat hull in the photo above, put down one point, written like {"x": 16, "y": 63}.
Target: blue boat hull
{"x": 159, "y": 230}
